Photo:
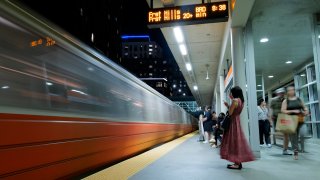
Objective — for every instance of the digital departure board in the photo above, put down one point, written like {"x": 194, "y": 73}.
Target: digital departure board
{"x": 188, "y": 14}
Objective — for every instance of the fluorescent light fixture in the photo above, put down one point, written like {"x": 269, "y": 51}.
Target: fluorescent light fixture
{"x": 5, "y": 87}
{"x": 195, "y": 88}
{"x": 188, "y": 66}
{"x": 259, "y": 85}
{"x": 271, "y": 76}
{"x": 288, "y": 62}
{"x": 302, "y": 75}
{"x": 183, "y": 49}
{"x": 178, "y": 34}
{"x": 49, "y": 83}
{"x": 263, "y": 40}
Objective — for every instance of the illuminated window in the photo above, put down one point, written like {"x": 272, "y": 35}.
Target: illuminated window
{"x": 81, "y": 12}
{"x": 159, "y": 84}
{"x": 150, "y": 74}
{"x": 150, "y": 66}
{"x": 92, "y": 37}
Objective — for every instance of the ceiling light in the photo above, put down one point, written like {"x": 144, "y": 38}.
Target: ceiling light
{"x": 259, "y": 85}
{"x": 288, "y": 62}
{"x": 183, "y": 49}
{"x": 195, "y": 88}
{"x": 184, "y": 94}
{"x": 271, "y": 76}
{"x": 174, "y": 86}
{"x": 90, "y": 69}
{"x": 179, "y": 90}
{"x": 263, "y": 40}
{"x": 188, "y": 66}
{"x": 178, "y": 34}
{"x": 302, "y": 75}
{"x": 5, "y": 87}
{"x": 49, "y": 83}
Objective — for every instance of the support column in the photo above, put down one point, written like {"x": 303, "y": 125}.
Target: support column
{"x": 218, "y": 103}
{"x": 251, "y": 83}
{"x": 239, "y": 78}
{"x": 222, "y": 95}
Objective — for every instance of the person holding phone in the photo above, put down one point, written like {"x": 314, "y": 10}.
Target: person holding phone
{"x": 234, "y": 146}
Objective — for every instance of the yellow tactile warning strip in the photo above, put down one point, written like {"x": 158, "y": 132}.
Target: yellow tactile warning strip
{"x": 129, "y": 167}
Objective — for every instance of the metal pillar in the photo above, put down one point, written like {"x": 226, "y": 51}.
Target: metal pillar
{"x": 251, "y": 83}
{"x": 222, "y": 95}
{"x": 239, "y": 78}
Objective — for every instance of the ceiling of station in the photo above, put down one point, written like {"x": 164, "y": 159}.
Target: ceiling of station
{"x": 287, "y": 25}
{"x": 203, "y": 43}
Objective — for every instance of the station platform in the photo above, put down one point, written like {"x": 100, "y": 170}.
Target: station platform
{"x": 186, "y": 158}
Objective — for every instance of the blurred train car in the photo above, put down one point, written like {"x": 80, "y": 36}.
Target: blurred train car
{"x": 66, "y": 109}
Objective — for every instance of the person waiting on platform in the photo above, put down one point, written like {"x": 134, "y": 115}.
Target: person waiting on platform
{"x": 264, "y": 124}
{"x": 207, "y": 124}
{"x": 293, "y": 105}
{"x": 218, "y": 131}
{"x": 234, "y": 146}
{"x": 275, "y": 109}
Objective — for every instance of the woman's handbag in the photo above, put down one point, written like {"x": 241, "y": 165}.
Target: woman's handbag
{"x": 301, "y": 118}
{"x": 287, "y": 123}
{"x": 225, "y": 124}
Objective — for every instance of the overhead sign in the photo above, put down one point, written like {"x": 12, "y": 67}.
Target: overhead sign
{"x": 188, "y": 14}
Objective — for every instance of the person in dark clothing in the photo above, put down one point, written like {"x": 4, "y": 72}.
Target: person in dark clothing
{"x": 218, "y": 131}
{"x": 207, "y": 124}
{"x": 293, "y": 105}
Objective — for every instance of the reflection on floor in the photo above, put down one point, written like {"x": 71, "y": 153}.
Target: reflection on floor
{"x": 194, "y": 160}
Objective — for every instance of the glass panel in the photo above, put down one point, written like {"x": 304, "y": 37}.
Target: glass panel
{"x": 308, "y": 129}
{"x": 259, "y": 82}
{"x": 317, "y": 111}
{"x": 304, "y": 95}
{"x": 312, "y": 73}
{"x": 318, "y": 130}
{"x": 314, "y": 92}
{"x": 302, "y": 78}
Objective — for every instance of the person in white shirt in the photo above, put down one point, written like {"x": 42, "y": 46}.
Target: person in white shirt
{"x": 264, "y": 123}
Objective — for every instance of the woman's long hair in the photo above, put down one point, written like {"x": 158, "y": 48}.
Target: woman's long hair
{"x": 237, "y": 93}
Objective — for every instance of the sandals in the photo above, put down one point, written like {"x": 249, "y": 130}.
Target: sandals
{"x": 235, "y": 166}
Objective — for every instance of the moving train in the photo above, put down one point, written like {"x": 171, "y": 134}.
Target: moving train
{"x": 66, "y": 109}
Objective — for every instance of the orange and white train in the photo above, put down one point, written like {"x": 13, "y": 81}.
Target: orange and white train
{"x": 65, "y": 109}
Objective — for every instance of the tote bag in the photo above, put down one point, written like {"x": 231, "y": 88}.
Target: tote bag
{"x": 287, "y": 123}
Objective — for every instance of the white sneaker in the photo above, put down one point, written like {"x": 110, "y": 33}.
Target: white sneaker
{"x": 205, "y": 142}
{"x": 212, "y": 141}
{"x": 261, "y": 145}
{"x": 269, "y": 145}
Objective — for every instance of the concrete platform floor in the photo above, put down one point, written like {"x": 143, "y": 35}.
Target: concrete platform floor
{"x": 194, "y": 160}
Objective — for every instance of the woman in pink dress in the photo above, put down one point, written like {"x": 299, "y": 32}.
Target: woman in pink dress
{"x": 234, "y": 145}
